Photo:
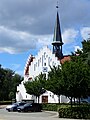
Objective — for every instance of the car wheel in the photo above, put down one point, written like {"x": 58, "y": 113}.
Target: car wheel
{"x": 25, "y": 110}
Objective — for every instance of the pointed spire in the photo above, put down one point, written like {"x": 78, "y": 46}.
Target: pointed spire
{"x": 57, "y": 31}
{"x": 57, "y": 39}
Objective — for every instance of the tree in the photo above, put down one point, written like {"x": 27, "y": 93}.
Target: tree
{"x": 35, "y": 87}
{"x": 8, "y": 82}
{"x": 76, "y": 75}
{"x": 11, "y": 95}
{"x": 16, "y": 80}
{"x": 54, "y": 82}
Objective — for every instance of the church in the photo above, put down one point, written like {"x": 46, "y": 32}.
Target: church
{"x": 41, "y": 63}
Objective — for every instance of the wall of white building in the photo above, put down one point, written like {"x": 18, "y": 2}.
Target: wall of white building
{"x": 41, "y": 63}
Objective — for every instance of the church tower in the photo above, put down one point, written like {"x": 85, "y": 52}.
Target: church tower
{"x": 57, "y": 39}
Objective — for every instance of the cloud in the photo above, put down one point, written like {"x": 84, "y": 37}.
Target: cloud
{"x": 39, "y": 17}
{"x": 69, "y": 35}
{"x": 44, "y": 40}
{"x": 15, "y": 41}
{"x": 26, "y": 15}
{"x": 85, "y": 32}
{"x": 77, "y": 48}
{"x": 27, "y": 24}
{"x": 74, "y": 13}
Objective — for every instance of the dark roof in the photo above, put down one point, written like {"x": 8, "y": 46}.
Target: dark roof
{"x": 57, "y": 32}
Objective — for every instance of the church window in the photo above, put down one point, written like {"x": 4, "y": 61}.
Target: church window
{"x": 45, "y": 69}
{"x": 44, "y": 64}
{"x": 44, "y": 55}
{"x": 34, "y": 67}
{"x": 51, "y": 59}
{"x": 42, "y": 60}
{"x": 48, "y": 61}
{"x": 36, "y": 64}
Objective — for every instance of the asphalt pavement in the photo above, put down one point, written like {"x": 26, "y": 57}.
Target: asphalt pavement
{"x": 44, "y": 115}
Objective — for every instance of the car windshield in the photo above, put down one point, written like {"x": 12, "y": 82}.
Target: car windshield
{"x": 28, "y": 104}
{"x": 14, "y": 104}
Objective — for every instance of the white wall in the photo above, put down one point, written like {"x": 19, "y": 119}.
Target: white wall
{"x": 41, "y": 63}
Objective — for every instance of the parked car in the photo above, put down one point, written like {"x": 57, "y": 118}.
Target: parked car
{"x": 14, "y": 106}
{"x": 85, "y": 101}
{"x": 33, "y": 107}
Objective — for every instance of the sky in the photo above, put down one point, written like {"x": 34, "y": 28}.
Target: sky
{"x": 28, "y": 25}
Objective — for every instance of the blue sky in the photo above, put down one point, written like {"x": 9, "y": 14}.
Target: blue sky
{"x": 28, "y": 25}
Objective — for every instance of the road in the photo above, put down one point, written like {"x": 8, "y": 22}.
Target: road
{"x": 45, "y": 115}
{"x": 5, "y": 115}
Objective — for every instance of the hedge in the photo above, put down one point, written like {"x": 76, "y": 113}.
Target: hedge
{"x": 5, "y": 102}
{"x": 53, "y": 106}
{"x": 76, "y": 112}
{"x": 50, "y": 107}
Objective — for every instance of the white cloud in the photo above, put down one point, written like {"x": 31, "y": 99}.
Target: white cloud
{"x": 15, "y": 41}
{"x": 27, "y": 24}
{"x": 85, "y": 32}
{"x": 77, "y": 48}
{"x": 69, "y": 35}
{"x": 45, "y": 40}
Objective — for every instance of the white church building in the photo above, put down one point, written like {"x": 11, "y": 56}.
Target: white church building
{"x": 41, "y": 63}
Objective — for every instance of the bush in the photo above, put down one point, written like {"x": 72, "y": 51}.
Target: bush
{"x": 5, "y": 102}
{"x": 49, "y": 107}
{"x": 75, "y": 112}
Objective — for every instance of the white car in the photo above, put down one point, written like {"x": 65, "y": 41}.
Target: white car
{"x": 14, "y": 106}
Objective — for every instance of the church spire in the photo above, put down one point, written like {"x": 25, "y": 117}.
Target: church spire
{"x": 57, "y": 39}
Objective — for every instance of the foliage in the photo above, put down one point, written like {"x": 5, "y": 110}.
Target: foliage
{"x": 11, "y": 95}
{"x": 50, "y": 107}
{"x": 86, "y": 46}
{"x": 76, "y": 78}
{"x": 76, "y": 112}
{"x": 35, "y": 87}
{"x": 54, "y": 82}
{"x": 8, "y": 83}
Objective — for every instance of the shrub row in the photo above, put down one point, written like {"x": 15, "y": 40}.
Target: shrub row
{"x": 76, "y": 112}
{"x": 66, "y": 111}
{"x": 5, "y": 102}
{"x": 50, "y": 107}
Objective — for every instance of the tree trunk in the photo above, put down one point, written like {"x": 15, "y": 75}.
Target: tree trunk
{"x": 79, "y": 100}
{"x": 71, "y": 101}
{"x": 74, "y": 101}
{"x": 59, "y": 99}
{"x": 38, "y": 99}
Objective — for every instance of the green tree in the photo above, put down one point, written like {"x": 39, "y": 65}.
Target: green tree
{"x": 54, "y": 82}
{"x": 16, "y": 80}
{"x": 76, "y": 79}
{"x": 35, "y": 87}
{"x": 8, "y": 82}
{"x": 11, "y": 95}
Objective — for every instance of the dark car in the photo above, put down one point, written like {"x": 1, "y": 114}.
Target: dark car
{"x": 14, "y": 106}
{"x": 32, "y": 107}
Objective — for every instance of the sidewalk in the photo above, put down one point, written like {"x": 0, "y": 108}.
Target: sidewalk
{"x": 2, "y": 106}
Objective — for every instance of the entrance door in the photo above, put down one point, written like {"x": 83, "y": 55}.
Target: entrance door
{"x": 44, "y": 99}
